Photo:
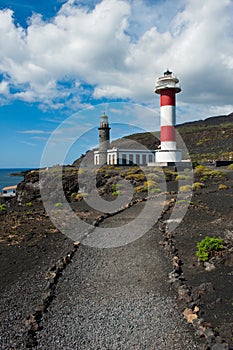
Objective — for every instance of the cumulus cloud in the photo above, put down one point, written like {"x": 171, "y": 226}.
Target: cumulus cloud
{"x": 117, "y": 49}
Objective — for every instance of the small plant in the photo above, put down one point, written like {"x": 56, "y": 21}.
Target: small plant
{"x": 181, "y": 201}
{"x": 185, "y": 188}
{"x": 139, "y": 189}
{"x": 197, "y": 185}
{"x": 222, "y": 187}
{"x": 230, "y": 167}
{"x": 115, "y": 187}
{"x": 2, "y": 207}
{"x": 29, "y": 204}
{"x": 73, "y": 195}
{"x": 58, "y": 205}
{"x": 183, "y": 177}
{"x": 116, "y": 193}
{"x": 207, "y": 246}
{"x": 79, "y": 197}
{"x": 136, "y": 177}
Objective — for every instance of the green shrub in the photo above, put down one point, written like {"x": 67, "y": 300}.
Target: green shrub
{"x": 79, "y": 197}
{"x": 205, "y": 173}
{"x": 136, "y": 177}
{"x": 152, "y": 176}
{"x": 155, "y": 190}
{"x": 73, "y": 195}
{"x": 29, "y": 204}
{"x": 185, "y": 188}
{"x": 197, "y": 185}
{"x": 58, "y": 205}
{"x": 140, "y": 189}
{"x": 230, "y": 167}
{"x": 222, "y": 187}
{"x": 207, "y": 246}
{"x": 116, "y": 193}
{"x": 115, "y": 187}
{"x": 200, "y": 169}
{"x": 2, "y": 207}
{"x": 183, "y": 177}
{"x": 181, "y": 201}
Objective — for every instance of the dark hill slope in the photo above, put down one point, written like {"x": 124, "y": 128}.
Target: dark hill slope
{"x": 208, "y": 139}
{"x": 211, "y": 138}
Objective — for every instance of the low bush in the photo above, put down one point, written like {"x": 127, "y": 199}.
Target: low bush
{"x": 207, "y": 246}
{"x": 204, "y": 173}
{"x": 136, "y": 177}
{"x": 197, "y": 185}
{"x": 79, "y": 197}
{"x": 183, "y": 177}
{"x": 2, "y": 207}
{"x": 230, "y": 167}
{"x": 185, "y": 188}
{"x": 222, "y": 187}
{"x": 29, "y": 204}
{"x": 116, "y": 193}
{"x": 58, "y": 205}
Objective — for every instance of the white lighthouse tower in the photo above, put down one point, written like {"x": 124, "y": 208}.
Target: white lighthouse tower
{"x": 167, "y": 87}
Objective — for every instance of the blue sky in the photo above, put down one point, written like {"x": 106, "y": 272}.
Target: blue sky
{"x": 63, "y": 63}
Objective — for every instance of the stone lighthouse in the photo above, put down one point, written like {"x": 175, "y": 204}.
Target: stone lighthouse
{"x": 104, "y": 137}
{"x": 167, "y": 87}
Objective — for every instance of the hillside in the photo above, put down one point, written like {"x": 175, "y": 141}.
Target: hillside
{"x": 208, "y": 139}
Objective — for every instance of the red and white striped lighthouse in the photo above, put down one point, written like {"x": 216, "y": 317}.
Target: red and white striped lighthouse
{"x": 167, "y": 87}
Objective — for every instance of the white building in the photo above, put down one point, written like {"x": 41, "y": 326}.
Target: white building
{"x": 9, "y": 191}
{"x": 121, "y": 156}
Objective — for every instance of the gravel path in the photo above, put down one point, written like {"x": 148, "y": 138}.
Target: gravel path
{"x": 22, "y": 276}
{"x": 116, "y": 298}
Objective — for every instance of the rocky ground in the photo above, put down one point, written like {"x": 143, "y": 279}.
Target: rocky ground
{"x": 150, "y": 294}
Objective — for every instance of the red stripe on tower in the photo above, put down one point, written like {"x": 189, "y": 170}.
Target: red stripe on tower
{"x": 168, "y": 133}
{"x": 167, "y": 98}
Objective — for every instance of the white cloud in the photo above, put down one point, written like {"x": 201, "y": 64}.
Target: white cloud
{"x": 119, "y": 48}
{"x": 34, "y": 132}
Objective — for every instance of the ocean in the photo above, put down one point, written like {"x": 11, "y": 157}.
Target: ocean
{"x": 7, "y": 180}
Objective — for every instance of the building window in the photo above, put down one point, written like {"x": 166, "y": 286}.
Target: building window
{"x": 137, "y": 159}
{"x": 144, "y": 159}
{"x": 124, "y": 159}
{"x": 113, "y": 159}
{"x": 131, "y": 159}
{"x": 150, "y": 158}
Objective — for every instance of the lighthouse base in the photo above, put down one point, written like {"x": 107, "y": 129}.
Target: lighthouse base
{"x": 168, "y": 156}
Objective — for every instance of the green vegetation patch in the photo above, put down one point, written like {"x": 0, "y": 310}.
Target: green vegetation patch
{"x": 205, "y": 173}
{"x": 58, "y": 205}
{"x": 222, "y": 187}
{"x": 2, "y": 207}
{"x": 135, "y": 177}
{"x": 197, "y": 185}
{"x": 183, "y": 177}
{"x": 207, "y": 246}
{"x": 185, "y": 188}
